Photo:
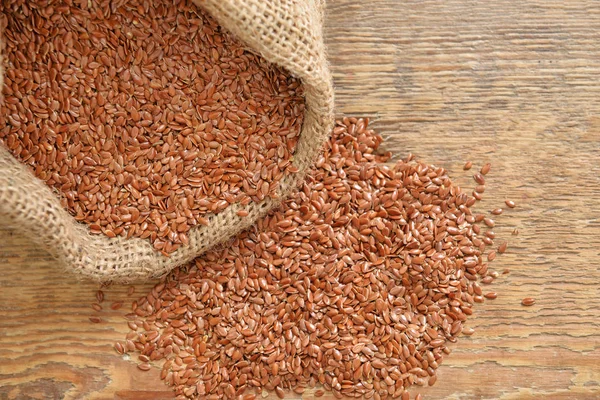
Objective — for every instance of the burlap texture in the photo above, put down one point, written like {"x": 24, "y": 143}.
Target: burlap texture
{"x": 284, "y": 32}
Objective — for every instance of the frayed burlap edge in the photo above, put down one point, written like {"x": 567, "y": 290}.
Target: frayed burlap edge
{"x": 284, "y": 32}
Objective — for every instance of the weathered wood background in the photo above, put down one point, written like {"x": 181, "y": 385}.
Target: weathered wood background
{"x": 515, "y": 83}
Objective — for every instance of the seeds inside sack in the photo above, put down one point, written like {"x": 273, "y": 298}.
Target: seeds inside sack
{"x": 145, "y": 117}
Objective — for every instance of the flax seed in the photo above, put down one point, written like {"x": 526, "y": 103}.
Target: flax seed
{"x": 486, "y": 168}
{"x": 280, "y": 393}
{"x": 479, "y": 179}
{"x": 119, "y": 348}
{"x": 467, "y": 165}
{"x": 528, "y": 301}
{"x": 144, "y": 366}
{"x": 468, "y": 331}
{"x": 502, "y": 247}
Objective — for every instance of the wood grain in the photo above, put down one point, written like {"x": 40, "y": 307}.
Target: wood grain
{"x": 514, "y": 83}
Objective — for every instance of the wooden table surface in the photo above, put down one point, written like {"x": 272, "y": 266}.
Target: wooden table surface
{"x": 511, "y": 82}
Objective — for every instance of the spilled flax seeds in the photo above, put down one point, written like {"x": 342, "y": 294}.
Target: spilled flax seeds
{"x": 356, "y": 283}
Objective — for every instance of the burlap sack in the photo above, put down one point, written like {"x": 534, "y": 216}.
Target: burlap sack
{"x": 285, "y": 32}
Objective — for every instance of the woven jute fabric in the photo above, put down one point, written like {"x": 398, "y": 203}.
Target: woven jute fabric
{"x": 284, "y": 32}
